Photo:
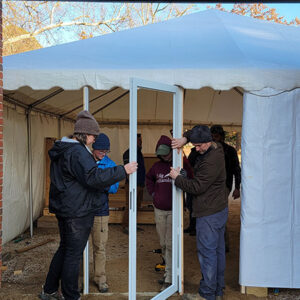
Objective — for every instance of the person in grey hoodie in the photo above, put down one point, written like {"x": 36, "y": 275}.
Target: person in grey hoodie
{"x": 75, "y": 195}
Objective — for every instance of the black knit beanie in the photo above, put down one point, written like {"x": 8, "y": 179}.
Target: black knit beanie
{"x": 200, "y": 134}
{"x": 102, "y": 142}
{"x": 86, "y": 123}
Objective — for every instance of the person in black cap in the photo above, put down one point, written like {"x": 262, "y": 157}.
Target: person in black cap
{"x": 232, "y": 166}
{"x": 210, "y": 207}
{"x": 140, "y": 182}
{"x": 231, "y": 161}
{"x": 75, "y": 195}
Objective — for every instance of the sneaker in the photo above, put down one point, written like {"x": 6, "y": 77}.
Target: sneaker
{"x": 103, "y": 287}
{"x": 54, "y": 296}
{"x": 165, "y": 286}
{"x": 161, "y": 281}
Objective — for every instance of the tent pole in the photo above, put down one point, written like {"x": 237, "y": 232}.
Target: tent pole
{"x": 86, "y": 98}
{"x": 86, "y": 250}
{"x": 28, "y": 115}
{"x": 59, "y": 127}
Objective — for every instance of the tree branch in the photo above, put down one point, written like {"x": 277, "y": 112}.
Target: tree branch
{"x": 53, "y": 26}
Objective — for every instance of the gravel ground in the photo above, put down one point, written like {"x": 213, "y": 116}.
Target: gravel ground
{"x": 36, "y": 262}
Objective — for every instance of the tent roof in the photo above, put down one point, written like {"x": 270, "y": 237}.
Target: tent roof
{"x": 206, "y": 49}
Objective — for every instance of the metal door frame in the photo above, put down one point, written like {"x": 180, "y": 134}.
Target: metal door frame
{"x": 177, "y": 215}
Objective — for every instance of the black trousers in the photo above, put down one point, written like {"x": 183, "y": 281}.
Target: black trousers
{"x": 64, "y": 267}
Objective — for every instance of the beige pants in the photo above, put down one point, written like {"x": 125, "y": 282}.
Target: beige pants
{"x": 99, "y": 236}
{"x": 163, "y": 220}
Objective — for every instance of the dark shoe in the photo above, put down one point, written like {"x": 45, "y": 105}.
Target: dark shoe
{"x": 192, "y": 232}
{"x": 187, "y": 230}
{"x": 125, "y": 230}
{"x": 103, "y": 287}
{"x": 139, "y": 229}
{"x": 165, "y": 286}
{"x": 161, "y": 281}
{"x": 53, "y": 296}
{"x": 192, "y": 297}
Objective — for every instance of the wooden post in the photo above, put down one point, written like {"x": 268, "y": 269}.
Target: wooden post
{"x": 257, "y": 291}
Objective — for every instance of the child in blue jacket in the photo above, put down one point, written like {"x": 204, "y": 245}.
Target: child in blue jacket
{"x": 101, "y": 148}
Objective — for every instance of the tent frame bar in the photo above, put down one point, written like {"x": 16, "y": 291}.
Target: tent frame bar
{"x": 92, "y": 100}
{"x": 111, "y": 102}
{"x": 113, "y": 122}
{"x": 44, "y": 99}
{"x": 18, "y": 103}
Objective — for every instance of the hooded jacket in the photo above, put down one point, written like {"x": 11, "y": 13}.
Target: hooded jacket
{"x": 76, "y": 181}
{"x": 159, "y": 185}
{"x": 105, "y": 163}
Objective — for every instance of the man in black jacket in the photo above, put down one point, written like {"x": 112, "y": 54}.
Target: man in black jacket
{"x": 232, "y": 166}
{"x": 75, "y": 196}
{"x": 140, "y": 183}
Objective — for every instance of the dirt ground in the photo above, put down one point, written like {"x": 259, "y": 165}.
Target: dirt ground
{"x": 35, "y": 264}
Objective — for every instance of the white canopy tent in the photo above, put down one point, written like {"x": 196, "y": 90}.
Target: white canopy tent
{"x": 216, "y": 57}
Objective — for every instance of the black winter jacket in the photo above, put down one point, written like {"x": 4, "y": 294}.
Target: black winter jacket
{"x": 76, "y": 181}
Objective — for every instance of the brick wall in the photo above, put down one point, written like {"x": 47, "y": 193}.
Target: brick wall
{"x": 1, "y": 138}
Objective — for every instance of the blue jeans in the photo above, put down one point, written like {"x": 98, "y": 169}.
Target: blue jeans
{"x": 211, "y": 253}
{"x": 74, "y": 234}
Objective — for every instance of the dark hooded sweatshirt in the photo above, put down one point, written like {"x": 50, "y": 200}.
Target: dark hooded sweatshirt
{"x": 76, "y": 181}
{"x": 159, "y": 185}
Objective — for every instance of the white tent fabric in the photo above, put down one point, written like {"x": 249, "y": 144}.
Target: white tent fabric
{"x": 16, "y": 217}
{"x": 206, "y": 49}
{"x": 270, "y": 214}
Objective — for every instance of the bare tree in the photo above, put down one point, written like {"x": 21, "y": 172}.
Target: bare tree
{"x": 50, "y": 22}
{"x": 258, "y": 11}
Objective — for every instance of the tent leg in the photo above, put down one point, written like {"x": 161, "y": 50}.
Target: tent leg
{"x": 86, "y": 250}
{"x": 59, "y": 127}
{"x": 28, "y": 115}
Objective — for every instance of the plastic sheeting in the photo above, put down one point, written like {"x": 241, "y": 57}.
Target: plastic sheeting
{"x": 270, "y": 213}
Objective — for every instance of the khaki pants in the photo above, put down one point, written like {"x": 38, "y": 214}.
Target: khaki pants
{"x": 99, "y": 236}
{"x": 163, "y": 220}
{"x": 140, "y": 193}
